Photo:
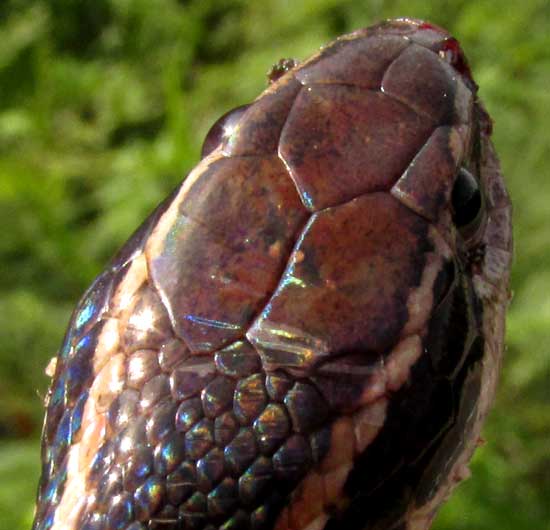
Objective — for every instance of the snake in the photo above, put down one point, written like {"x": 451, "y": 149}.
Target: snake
{"x": 307, "y": 333}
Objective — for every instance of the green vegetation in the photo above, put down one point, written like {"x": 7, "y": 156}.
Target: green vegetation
{"x": 103, "y": 106}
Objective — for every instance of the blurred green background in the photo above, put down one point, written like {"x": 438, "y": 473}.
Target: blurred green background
{"x": 103, "y": 106}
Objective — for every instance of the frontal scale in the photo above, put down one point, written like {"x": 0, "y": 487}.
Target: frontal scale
{"x": 306, "y": 334}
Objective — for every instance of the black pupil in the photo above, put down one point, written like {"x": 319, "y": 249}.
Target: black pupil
{"x": 222, "y": 129}
{"x": 466, "y": 198}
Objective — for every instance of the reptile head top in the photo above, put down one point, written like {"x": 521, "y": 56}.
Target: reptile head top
{"x": 306, "y": 334}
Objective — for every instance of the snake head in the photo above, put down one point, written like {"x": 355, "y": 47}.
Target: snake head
{"x": 307, "y": 333}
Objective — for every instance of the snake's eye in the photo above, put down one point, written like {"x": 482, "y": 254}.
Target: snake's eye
{"x": 467, "y": 203}
{"x": 222, "y": 129}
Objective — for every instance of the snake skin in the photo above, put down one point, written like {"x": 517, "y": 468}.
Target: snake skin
{"x": 299, "y": 337}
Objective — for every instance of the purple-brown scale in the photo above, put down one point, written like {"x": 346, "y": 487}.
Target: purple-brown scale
{"x": 297, "y": 338}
